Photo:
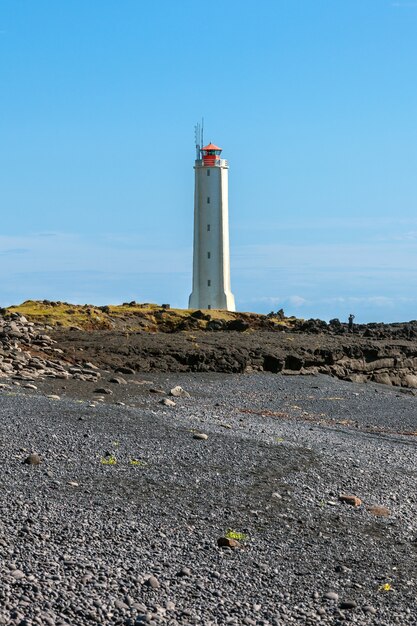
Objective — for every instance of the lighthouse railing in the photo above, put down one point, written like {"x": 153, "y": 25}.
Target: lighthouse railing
{"x": 215, "y": 163}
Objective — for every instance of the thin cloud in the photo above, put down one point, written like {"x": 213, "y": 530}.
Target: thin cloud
{"x": 12, "y": 251}
{"x": 296, "y": 301}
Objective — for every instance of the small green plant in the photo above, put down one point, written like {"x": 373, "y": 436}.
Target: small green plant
{"x": 385, "y": 587}
{"x": 108, "y": 460}
{"x": 279, "y": 439}
{"x": 233, "y": 534}
{"x": 116, "y": 444}
{"x": 137, "y": 463}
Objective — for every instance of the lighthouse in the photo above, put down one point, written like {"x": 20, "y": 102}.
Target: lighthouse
{"x": 211, "y": 260}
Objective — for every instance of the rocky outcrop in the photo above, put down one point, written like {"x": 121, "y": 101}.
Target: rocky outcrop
{"x": 386, "y": 354}
{"x": 347, "y": 357}
{"x": 28, "y": 353}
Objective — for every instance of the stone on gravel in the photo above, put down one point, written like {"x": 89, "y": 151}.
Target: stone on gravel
{"x": 104, "y": 390}
{"x": 153, "y": 582}
{"x": 33, "y": 459}
{"x": 17, "y": 574}
{"x": 118, "y": 380}
{"x": 226, "y": 542}
{"x": 201, "y": 436}
{"x": 179, "y": 392}
{"x": 167, "y": 402}
{"x": 184, "y": 571}
{"x": 331, "y": 595}
{"x": 348, "y": 605}
{"x": 53, "y": 396}
{"x": 378, "y": 511}
{"x": 351, "y": 500}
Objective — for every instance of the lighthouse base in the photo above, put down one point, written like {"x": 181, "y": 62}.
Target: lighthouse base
{"x": 223, "y": 301}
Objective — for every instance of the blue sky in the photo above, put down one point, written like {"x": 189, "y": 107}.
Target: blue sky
{"x": 314, "y": 104}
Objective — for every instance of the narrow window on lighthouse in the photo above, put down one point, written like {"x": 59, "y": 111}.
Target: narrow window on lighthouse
{"x": 208, "y": 172}
{"x": 208, "y": 283}
{"x": 208, "y": 226}
{"x": 208, "y": 200}
{"x": 208, "y": 255}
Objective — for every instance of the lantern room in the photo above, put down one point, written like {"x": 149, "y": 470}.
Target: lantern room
{"x": 211, "y": 154}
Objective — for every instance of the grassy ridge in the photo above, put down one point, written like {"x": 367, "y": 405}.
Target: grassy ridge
{"x": 128, "y": 316}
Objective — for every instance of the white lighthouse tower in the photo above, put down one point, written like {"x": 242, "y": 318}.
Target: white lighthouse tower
{"x": 211, "y": 262}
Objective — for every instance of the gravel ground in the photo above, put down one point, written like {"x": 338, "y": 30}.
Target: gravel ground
{"x": 87, "y": 542}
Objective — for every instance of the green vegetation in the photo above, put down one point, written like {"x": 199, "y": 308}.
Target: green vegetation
{"x": 137, "y": 463}
{"x": 233, "y": 534}
{"x": 109, "y": 460}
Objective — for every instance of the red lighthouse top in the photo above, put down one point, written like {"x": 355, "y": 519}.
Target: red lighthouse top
{"x": 211, "y": 154}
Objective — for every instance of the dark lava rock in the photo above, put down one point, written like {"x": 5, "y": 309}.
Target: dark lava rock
{"x": 33, "y": 459}
{"x": 216, "y": 325}
{"x": 199, "y": 315}
{"x": 239, "y": 325}
{"x": 117, "y": 380}
{"x": 226, "y": 542}
{"x": 348, "y": 605}
{"x": 272, "y": 363}
{"x": 103, "y": 390}
{"x": 125, "y": 370}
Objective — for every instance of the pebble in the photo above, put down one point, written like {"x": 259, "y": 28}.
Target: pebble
{"x": 184, "y": 571}
{"x": 167, "y": 402}
{"x": 348, "y": 604}
{"x": 33, "y": 459}
{"x": 201, "y": 436}
{"x": 153, "y": 582}
{"x": 179, "y": 392}
{"x": 226, "y": 542}
{"x": 331, "y": 595}
{"x": 351, "y": 500}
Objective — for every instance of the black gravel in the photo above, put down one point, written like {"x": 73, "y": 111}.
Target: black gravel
{"x": 85, "y": 541}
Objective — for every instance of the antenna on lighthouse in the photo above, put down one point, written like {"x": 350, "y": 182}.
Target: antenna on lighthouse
{"x": 197, "y": 139}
